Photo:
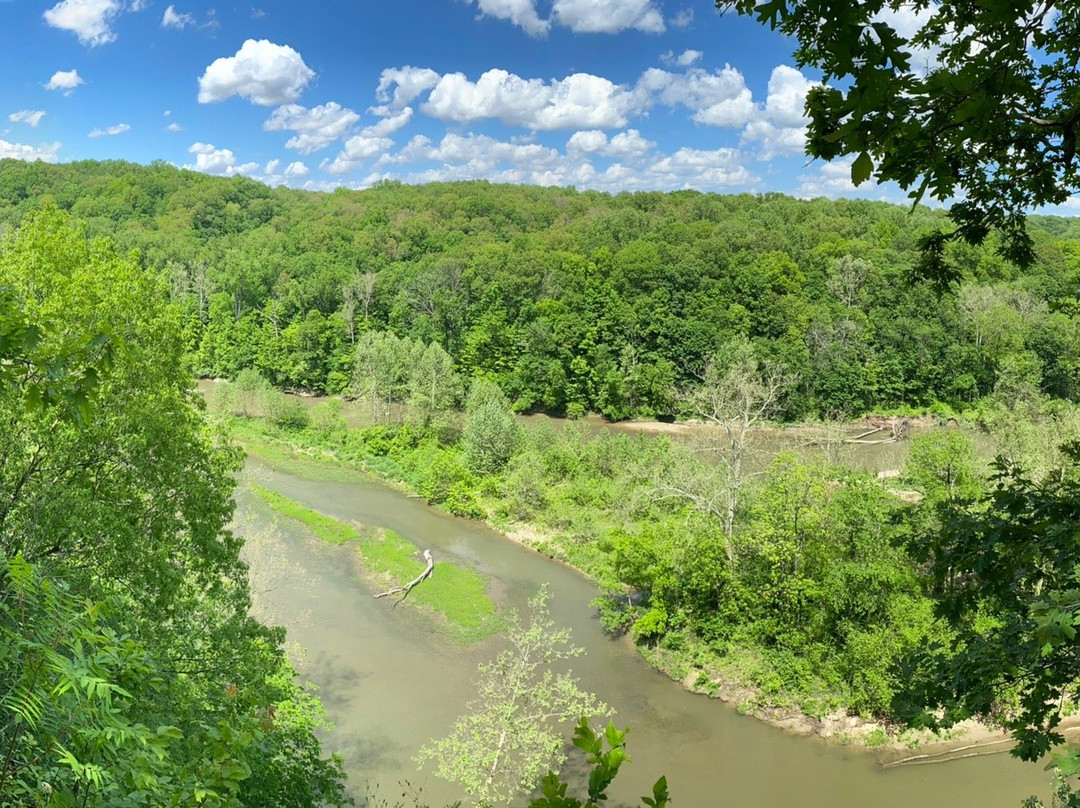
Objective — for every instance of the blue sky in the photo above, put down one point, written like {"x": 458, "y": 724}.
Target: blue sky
{"x": 606, "y": 94}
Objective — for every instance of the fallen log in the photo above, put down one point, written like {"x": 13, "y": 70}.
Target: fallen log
{"x": 419, "y": 579}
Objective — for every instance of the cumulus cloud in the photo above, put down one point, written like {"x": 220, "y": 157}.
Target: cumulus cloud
{"x": 316, "y": 127}
{"x": 608, "y": 16}
{"x": 521, "y": 13}
{"x": 695, "y": 168}
{"x": 582, "y": 16}
{"x": 628, "y": 145}
{"x": 684, "y": 59}
{"x": 46, "y": 152}
{"x": 31, "y": 117}
{"x": 271, "y": 173}
{"x": 833, "y": 179}
{"x": 174, "y": 127}
{"x": 780, "y": 125}
{"x": 407, "y": 82}
{"x": 220, "y": 162}
{"x": 109, "y": 131}
{"x": 390, "y": 124}
{"x": 358, "y": 149}
{"x": 472, "y": 156}
{"x": 66, "y": 80}
{"x": 296, "y": 169}
{"x": 87, "y": 19}
{"x": 139, "y": 5}
{"x": 720, "y": 98}
{"x": 578, "y": 101}
{"x": 264, "y": 73}
{"x": 172, "y": 19}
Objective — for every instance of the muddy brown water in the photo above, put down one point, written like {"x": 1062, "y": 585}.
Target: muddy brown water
{"x": 390, "y": 683}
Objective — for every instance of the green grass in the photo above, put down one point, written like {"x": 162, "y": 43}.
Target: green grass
{"x": 455, "y": 594}
{"x": 280, "y": 456}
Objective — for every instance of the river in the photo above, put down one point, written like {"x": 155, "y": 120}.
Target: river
{"x": 390, "y": 682}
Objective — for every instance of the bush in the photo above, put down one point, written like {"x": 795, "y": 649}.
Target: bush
{"x": 651, "y": 625}
{"x": 286, "y": 412}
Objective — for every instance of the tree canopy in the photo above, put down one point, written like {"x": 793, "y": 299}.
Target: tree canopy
{"x": 976, "y": 104}
{"x": 131, "y": 672}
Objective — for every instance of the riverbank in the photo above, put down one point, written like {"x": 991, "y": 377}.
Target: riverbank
{"x": 738, "y": 681}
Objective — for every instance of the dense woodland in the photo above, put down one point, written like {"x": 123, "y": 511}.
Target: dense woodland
{"x": 459, "y": 305}
{"x": 580, "y": 302}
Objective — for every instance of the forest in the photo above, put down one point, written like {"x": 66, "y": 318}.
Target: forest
{"x": 575, "y": 302}
{"x": 442, "y": 312}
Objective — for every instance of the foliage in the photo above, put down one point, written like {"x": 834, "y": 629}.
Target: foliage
{"x": 1006, "y": 576}
{"x": 124, "y": 601}
{"x": 491, "y": 433}
{"x": 606, "y": 765}
{"x": 575, "y": 302}
{"x": 510, "y": 733}
{"x": 976, "y": 104}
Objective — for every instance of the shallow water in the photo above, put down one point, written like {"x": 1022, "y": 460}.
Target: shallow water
{"x": 390, "y": 683}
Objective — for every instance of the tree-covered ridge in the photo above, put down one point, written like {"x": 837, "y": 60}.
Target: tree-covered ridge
{"x": 576, "y": 302}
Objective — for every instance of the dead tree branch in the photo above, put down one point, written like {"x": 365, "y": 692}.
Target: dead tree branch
{"x": 419, "y": 579}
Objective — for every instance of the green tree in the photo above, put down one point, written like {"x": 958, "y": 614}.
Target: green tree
{"x": 492, "y": 434}
{"x": 433, "y": 385}
{"x": 1007, "y": 573}
{"x": 114, "y": 496}
{"x": 978, "y": 103}
{"x": 510, "y": 734}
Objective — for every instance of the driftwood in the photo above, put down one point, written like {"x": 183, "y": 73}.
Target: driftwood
{"x": 898, "y": 429}
{"x": 419, "y": 579}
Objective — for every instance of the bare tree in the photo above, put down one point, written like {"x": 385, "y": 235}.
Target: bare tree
{"x": 738, "y": 391}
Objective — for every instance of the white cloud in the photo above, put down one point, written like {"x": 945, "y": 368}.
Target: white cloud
{"x": 221, "y": 162}
{"x": 139, "y": 5}
{"x": 46, "y": 152}
{"x": 296, "y": 169}
{"x": 627, "y": 145}
{"x": 31, "y": 117}
{"x": 786, "y": 102}
{"x": 390, "y": 124}
{"x": 316, "y": 127}
{"x": 578, "y": 101}
{"x": 833, "y": 179}
{"x": 271, "y": 174}
{"x": 172, "y": 19}
{"x": 684, "y": 59}
{"x": 520, "y": 12}
{"x": 780, "y": 126}
{"x": 66, "y": 80}
{"x": 358, "y": 149}
{"x": 683, "y": 19}
{"x": 695, "y": 168}
{"x": 87, "y": 19}
{"x": 608, "y": 16}
{"x": 174, "y": 127}
{"x": 462, "y": 157}
{"x": 108, "y": 131}
{"x": 264, "y": 73}
{"x": 717, "y": 99}
{"x": 408, "y": 82}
